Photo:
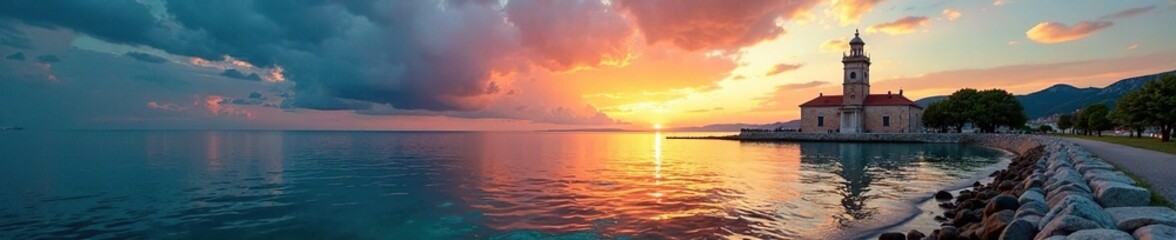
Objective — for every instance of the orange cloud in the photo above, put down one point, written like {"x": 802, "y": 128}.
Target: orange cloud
{"x": 660, "y": 73}
{"x": 781, "y": 68}
{"x": 834, "y": 45}
{"x": 951, "y": 15}
{"x": 705, "y": 24}
{"x": 1054, "y": 32}
{"x": 851, "y": 11}
{"x": 903, "y": 25}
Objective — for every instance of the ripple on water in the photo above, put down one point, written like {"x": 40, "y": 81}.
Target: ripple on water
{"x": 263, "y": 185}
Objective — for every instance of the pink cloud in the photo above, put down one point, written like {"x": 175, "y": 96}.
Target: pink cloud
{"x": 707, "y": 24}
{"x": 1054, "y": 32}
{"x": 565, "y": 35}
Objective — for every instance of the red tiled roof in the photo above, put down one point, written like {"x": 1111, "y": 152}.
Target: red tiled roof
{"x": 872, "y": 100}
{"x": 824, "y": 101}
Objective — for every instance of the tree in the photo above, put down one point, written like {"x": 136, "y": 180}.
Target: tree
{"x": 1065, "y": 121}
{"x": 1096, "y": 118}
{"x": 1045, "y": 129}
{"x": 994, "y": 108}
{"x": 988, "y": 110}
{"x": 936, "y": 116}
{"x": 1130, "y": 113}
{"x": 1080, "y": 123}
{"x": 961, "y": 106}
{"x": 1159, "y": 100}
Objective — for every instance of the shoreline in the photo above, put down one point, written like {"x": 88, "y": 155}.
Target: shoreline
{"x": 1051, "y": 189}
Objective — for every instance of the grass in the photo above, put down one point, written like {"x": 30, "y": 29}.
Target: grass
{"x": 1144, "y": 143}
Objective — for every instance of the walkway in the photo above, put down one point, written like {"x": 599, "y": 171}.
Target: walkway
{"x": 1157, "y": 168}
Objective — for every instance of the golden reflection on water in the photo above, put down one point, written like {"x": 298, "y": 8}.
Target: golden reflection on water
{"x": 625, "y": 184}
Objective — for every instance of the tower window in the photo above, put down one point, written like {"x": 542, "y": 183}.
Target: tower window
{"x": 853, "y": 75}
{"x": 820, "y": 121}
{"x": 885, "y": 121}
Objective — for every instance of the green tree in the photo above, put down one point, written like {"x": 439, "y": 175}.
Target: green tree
{"x": 936, "y": 116}
{"x": 1065, "y": 121}
{"x": 1045, "y": 129}
{"x": 1096, "y": 118}
{"x": 1159, "y": 100}
{"x": 962, "y": 105}
{"x": 1130, "y": 112}
{"x": 995, "y": 108}
{"x": 1080, "y": 123}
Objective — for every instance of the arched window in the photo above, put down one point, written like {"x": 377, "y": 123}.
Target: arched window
{"x": 852, "y": 75}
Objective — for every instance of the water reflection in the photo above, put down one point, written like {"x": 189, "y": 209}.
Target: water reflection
{"x": 268, "y": 185}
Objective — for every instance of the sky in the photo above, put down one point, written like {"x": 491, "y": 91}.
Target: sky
{"x": 532, "y": 64}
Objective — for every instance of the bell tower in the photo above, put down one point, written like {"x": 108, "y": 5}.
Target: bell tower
{"x": 856, "y": 84}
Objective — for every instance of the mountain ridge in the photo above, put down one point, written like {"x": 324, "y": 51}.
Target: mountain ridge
{"x": 1065, "y": 98}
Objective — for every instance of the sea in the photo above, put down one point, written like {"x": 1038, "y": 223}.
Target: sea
{"x": 90, "y": 184}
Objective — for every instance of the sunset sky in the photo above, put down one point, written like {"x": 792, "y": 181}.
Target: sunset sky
{"x": 527, "y": 65}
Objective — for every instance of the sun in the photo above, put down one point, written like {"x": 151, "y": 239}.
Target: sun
{"x": 657, "y": 126}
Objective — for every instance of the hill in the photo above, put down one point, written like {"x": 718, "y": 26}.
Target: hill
{"x": 1063, "y": 98}
{"x": 734, "y": 127}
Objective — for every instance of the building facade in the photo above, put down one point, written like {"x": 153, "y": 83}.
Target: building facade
{"x": 856, "y": 110}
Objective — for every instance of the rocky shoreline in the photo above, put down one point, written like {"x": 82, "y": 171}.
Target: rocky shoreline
{"x": 1052, "y": 190}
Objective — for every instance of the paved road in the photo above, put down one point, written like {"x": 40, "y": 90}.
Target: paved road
{"x": 1157, "y": 168}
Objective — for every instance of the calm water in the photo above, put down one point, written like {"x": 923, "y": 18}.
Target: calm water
{"x": 388, "y": 185}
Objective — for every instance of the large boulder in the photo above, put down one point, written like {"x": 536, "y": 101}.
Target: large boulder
{"x": 1098, "y": 234}
{"x": 1107, "y": 175}
{"x": 892, "y": 236}
{"x": 1031, "y": 195}
{"x": 1131, "y": 218}
{"x": 1019, "y": 229}
{"x": 1081, "y": 207}
{"x": 1035, "y": 206}
{"x": 942, "y": 195}
{"x": 1000, "y": 203}
{"x": 1088, "y": 166}
{"x": 1155, "y": 232}
{"x": 1116, "y": 194}
{"x": 915, "y": 235}
{"x": 1065, "y": 225}
{"x": 965, "y": 217}
{"x": 995, "y": 224}
{"x": 948, "y": 233}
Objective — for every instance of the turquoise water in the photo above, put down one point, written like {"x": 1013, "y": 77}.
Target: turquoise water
{"x": 427, "y": 185}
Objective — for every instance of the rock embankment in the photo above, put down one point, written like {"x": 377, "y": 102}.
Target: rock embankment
{"x": 1053, "y": 190}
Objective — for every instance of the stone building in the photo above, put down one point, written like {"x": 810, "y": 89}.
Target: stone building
{"x": 856, "y": 110}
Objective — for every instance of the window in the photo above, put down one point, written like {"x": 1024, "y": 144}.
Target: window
{"x": 852, "y": 75}
{"x": 886, "y": 121}
{"x": 821, "y": 121}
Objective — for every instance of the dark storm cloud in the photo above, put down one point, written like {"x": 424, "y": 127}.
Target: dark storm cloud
{"x": 410, "y": 54}
{"x": 19, "y": 56}
{"x": 10, "y": 36}
{"x": 443, "y": 56}
{"x": 146, "y": 57}
{"x": 48, "y": 59}
{"x": 233, "y": 73}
